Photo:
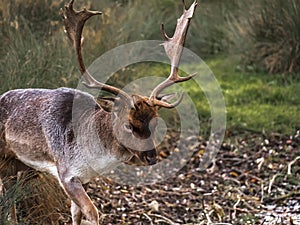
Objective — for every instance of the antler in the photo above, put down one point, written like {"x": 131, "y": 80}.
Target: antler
{"x": 173, "y": 48}
{"x": 74, "y": 22}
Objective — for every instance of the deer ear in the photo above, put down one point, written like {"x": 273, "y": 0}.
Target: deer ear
{"x": 137, "y": 101}
{"x": 106, "y": 103}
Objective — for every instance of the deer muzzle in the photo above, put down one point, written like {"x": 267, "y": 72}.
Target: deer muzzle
{"x": 149, "y": 157}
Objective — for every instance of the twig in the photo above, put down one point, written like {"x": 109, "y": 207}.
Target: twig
{"x": 271, "y": 182}
{"x": 206, "y": 213}
{"x": 242, "y": 210}
{"x": 263, "y": 221}
{"x": 289, "y": 170}
{"x": 235, "y": 205}
{"x": 249, "y": 206}
{"x": 262, "y": 192}
{"x": 260, "y": 162}
{"x": 285, "y": 196}
{"x": 208, "y": 216}
{"x": 148, "y": 217}
{"x": 233, "y": 179}
{"x": 165, "y": 219}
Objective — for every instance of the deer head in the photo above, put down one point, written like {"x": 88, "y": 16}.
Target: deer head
{"x": 134, "y": 117}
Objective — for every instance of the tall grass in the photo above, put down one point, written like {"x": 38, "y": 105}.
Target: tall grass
{"x": 35, "y": 52}
{"x": 135, "y": 20}
{"x": 27, "y": 61}
{"x": 38, "y": 199}
{"x": 268, "y": 34}
{"x": 209, "y": 29}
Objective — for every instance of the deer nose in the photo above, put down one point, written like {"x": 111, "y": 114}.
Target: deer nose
{"x": 151, "y": 160}
{"x": 151, "y": 157}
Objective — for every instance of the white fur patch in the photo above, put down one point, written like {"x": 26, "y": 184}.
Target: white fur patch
{"x": 41, "y": 166}
{"x": 103, "y": 163}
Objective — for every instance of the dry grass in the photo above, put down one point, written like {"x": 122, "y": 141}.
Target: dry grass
{"x": 38, "y": 198}
{"x": 268, "y": 35}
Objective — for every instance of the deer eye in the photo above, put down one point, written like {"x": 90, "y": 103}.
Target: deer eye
{"x": 128, "y": 127}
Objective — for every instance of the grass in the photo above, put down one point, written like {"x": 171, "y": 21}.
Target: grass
{"x": 254, "y": 100}
{"x": 267, "y": 34}
{"x": 39, "y": 199}
{"x": 258, "y": 101}
{"x": 29, "y": 62}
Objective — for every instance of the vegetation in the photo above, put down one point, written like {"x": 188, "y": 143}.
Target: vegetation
{"x": 35, "y": 52}
{"x": 256, "y": 101}
{"x": 268, "y": 34}
{"x": 39, "y": 200}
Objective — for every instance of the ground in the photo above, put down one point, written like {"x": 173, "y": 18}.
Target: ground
{"x": 254, "y": 180}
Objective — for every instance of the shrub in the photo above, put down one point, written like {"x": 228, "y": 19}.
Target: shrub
{"x": 270, "y": 29}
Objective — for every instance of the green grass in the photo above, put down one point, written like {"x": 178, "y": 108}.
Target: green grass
{"x": 258, "y": 101}
{"x": 254, "y": 101}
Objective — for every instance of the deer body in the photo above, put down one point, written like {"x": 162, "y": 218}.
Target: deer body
{"x": 38, "y": 130}
{"x": 70, "y": 135}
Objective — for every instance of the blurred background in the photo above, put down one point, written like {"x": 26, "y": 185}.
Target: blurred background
{"x": 252, "y": 47}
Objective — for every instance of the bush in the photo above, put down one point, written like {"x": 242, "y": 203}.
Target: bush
{"x": 270, "y": 29}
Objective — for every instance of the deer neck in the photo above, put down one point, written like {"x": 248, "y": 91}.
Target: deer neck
{"x": 95, "y": 133}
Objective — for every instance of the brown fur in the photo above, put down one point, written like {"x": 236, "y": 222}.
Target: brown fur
{"x": 45, "y": 130}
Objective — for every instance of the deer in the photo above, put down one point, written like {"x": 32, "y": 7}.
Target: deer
{"x": 39, "y": 129}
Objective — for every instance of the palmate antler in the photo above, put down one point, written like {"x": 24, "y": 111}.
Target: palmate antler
{"x": 74, "y": 22}
{"x": 173, "y": 48}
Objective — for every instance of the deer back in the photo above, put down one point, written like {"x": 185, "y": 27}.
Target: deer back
{"x": 38, "y": 125}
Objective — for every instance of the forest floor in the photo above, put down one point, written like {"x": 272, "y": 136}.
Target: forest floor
{"x": 253, "y": 180}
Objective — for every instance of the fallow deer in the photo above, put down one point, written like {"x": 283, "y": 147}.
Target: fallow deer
{"x": 39, "y": 128}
